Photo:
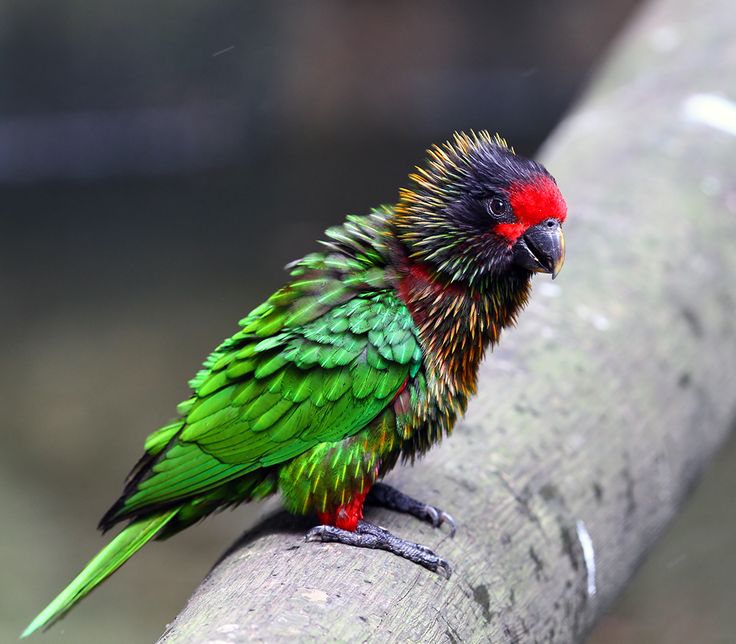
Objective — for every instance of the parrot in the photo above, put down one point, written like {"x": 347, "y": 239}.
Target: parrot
{"x": 366, "y": 357}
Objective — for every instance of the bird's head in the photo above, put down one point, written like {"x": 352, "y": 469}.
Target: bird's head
{"x": 477, "y": 210}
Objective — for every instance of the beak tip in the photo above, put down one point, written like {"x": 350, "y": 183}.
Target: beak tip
{"x": 542, "y": 249}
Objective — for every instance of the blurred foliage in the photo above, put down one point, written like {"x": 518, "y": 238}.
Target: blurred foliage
{"x": 93, "y": 89}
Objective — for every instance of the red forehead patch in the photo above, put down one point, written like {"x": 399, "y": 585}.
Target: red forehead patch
{"x": 532, "y": 203}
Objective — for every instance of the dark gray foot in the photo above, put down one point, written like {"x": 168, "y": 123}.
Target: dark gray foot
{"x": 368, "y": 535}
{"x": 391, "y": 498}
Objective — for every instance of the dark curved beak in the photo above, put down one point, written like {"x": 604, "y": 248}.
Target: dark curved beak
{"x": 542, "y": 248}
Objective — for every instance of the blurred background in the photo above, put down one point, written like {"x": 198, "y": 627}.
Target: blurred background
{"x": 159, "y": 164}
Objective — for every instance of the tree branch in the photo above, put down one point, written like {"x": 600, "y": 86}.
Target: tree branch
{"x": 594, "y": 417}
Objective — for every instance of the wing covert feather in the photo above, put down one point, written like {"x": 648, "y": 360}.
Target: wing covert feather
{"x": 286, "y": 382}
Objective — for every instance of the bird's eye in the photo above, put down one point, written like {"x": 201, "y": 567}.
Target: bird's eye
{"x": 498, "y": 207}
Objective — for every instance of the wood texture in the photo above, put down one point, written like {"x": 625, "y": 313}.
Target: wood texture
{"x": 596, "y": 414}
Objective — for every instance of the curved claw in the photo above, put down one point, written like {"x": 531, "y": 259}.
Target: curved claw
{"x": 437, "y": 517}
{"x": 384, "y": 495}
{"x": 443, "y": 569}
{"x": 317, "y": 533}
{"x": 448, "y": 519}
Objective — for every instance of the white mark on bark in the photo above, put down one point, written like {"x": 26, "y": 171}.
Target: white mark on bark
{"x": 547, "y": 332}
{"x": 575, "y": 442}
{"x": 315, "y": 595}
{"x": 665, "y": 39}
{"x": 710, "y": 186}
{"x": 586, "y": 543}
{"x": 711, "y": 110}
{"x": 599, "y": 321}
{"x": 548, "y": 289}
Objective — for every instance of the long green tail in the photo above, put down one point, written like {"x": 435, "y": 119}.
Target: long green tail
{"x": 106, "y": 562}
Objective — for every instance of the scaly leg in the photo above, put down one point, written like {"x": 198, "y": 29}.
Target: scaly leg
{"x": 389, "y": 497}
{"x": 368, "y": 535}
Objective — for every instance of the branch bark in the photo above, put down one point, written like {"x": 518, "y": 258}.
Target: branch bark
{"x": 594, "y": 417}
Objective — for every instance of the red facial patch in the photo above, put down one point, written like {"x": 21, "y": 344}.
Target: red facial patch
{"x": 532, "y": 203}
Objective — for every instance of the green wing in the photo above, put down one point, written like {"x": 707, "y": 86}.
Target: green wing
{"x": 315, "y": 363}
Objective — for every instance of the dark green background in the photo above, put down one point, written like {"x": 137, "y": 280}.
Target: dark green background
{"x": 159, "y": 164}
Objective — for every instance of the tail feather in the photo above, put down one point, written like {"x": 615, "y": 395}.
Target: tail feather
{"x": 131, "y": 539}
